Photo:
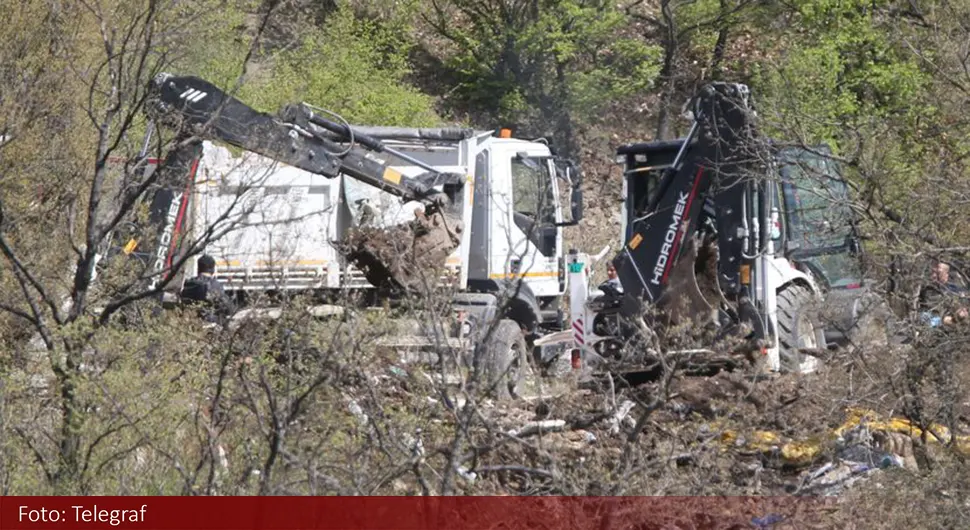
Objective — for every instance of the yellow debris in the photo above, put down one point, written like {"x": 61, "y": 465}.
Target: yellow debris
{"x": 764, "y": 441}
{"x": 804, "y": 452}
{"x": 936, "y": 433}
{"x": 801, "y": 453}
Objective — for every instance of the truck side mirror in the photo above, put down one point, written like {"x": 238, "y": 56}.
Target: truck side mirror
{"x": 568, "y": 171}
{"x": 576, "y": 197}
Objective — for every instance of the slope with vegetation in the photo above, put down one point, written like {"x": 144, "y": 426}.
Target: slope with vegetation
{"x": 144, "y": 406}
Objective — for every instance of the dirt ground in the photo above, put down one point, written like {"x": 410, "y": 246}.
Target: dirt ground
{"x": 831, "y": 447}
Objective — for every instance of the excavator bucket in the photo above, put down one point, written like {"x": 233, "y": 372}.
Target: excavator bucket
{"x": 404, "y": 258}
{"x": 692, "y": 294}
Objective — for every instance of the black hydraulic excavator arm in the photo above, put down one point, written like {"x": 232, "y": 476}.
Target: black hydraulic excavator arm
{"x": 197, "y": 107}
{"x": 197, "y": 110}
{"x": 710, "y": 167}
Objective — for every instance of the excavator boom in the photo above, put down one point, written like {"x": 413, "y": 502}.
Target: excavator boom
{"x": 709, "y": 165}
{"x": 299, "y": 137}
{"x": 201, "y": 108}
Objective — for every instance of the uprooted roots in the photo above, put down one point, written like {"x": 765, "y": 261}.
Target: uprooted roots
{"x": 404, "y": 257}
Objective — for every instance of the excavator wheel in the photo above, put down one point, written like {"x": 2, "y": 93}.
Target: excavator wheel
{"x": 799, "y": 326}
{"x": 404, "y": 258}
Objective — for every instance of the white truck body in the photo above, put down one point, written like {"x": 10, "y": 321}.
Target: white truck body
{"x": 281, "y": 220}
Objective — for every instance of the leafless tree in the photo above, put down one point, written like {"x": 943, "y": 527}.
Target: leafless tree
{"x": 135, "y": 41}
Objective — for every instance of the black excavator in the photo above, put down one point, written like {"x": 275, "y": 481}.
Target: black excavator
{"x": 730, "y": 231}
{"x": 298, "y": 136}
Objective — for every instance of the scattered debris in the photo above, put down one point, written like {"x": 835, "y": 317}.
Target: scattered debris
{"x": 537, "y": 427}
{"x": 358, "y": 412}
{"x": 622, "y": 413}
{"x": 768, "y": 520}
{"x": 832, "y": 479}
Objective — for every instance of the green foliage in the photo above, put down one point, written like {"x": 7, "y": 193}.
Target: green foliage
{"x": 524, "y": 65}
{"x": 353, "y": 66}
{"x": 221, "y": 59}
{"x": 842, "y": 69}
{"x": 697, "y": 21}
{"x": 603, "y": 69}
{"x": 846, "y": 80}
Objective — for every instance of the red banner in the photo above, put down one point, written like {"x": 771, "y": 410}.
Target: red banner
{"x": 410, "y": 513}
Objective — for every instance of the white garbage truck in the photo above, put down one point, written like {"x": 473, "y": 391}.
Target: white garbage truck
{"x": 302, "y": 204}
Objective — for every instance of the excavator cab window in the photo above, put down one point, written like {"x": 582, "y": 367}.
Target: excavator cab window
{"x": 534, "y": 201}
{"x": 819, "y": 223}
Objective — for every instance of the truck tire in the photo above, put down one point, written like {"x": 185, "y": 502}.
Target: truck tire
{"x": 506, "y": 360}
{"x": 799, "y": 326}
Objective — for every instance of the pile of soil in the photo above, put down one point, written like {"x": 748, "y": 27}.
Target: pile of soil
{"x": 407, "y": 257}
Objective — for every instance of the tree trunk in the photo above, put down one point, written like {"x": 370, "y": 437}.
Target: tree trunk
{"x": 667, "y": 74}
{"x": 667, "y": 92}
{"x": 565, "y": 129}
{"x": 69, "y": 467}
{"x": 720, "y": 44}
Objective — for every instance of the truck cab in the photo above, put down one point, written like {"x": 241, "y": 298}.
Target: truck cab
{"x": 516, "y": 230}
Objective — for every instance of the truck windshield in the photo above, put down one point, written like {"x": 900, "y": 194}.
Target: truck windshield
{"x": 816, "y": 199}
{"x": 533, "y": 195}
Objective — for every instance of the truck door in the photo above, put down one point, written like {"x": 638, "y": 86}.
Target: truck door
{"x": 526, "y": 242}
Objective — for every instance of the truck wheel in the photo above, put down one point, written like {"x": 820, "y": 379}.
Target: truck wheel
{"x": 506, "y": 360}
{"x": 799, "y": 326}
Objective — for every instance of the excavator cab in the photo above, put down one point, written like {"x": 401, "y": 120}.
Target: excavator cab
{"x": 819, "y": 227}
{"x": 821, "y": 238}
{"x": 728, "y": 232}
{"x": 643, "y": 169}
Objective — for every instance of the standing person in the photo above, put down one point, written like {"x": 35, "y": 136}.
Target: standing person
{"x": 205, "y": 290}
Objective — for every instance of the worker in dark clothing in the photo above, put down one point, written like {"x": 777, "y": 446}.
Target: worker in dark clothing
{"x": 612, "y": 280}
{"x": 941, "y": 300}
{"x": 205, "y": 291}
